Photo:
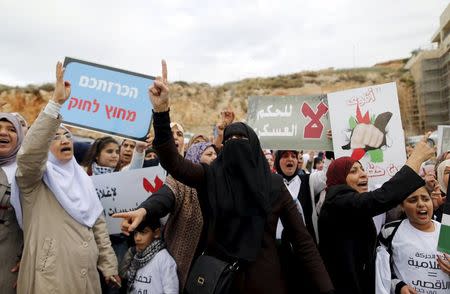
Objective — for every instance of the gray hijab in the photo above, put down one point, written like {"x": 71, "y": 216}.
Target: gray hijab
{"x": 11, "y": 156}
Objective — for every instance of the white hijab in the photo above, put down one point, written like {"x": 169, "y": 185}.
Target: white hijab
{"x": 73, "y": 189}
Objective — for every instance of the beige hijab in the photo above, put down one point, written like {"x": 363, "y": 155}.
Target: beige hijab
{"x": 440, "y": 174}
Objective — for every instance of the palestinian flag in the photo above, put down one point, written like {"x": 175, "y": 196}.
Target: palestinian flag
{"x": 444, "y": 234}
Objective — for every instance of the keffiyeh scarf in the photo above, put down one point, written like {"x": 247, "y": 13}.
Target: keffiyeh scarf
{"x": 140, "y": 259}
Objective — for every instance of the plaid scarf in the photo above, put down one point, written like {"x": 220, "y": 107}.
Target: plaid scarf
{"x": 140, "y": 259}
{"x": 100, "y": 170}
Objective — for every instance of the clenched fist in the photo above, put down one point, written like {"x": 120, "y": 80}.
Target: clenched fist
{"x": 365, "y": 135}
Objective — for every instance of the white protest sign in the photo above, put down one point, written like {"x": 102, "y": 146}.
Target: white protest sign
{"x": 125, "y": 191}
{"x": 443, "y": 141}
{"x": 366, "y": 125}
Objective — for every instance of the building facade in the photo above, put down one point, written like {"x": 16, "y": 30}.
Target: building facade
{"x": 430, "y": 70}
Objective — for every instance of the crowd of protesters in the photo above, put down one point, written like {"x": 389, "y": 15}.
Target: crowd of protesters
{"x": 288, "y": 221}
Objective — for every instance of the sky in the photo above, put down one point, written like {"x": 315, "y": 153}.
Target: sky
{"x": 210, "y": 41}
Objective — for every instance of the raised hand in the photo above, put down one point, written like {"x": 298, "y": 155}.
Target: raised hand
{"x": 62, "y": 88}
{"x": 159, "y": 91}
{"x": 227, "y": 116}
{"x": 142, "y": 146}
{"x": 436, "y": 197}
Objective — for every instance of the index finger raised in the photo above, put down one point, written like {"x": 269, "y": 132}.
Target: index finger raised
{"x": 121, "y": 215}
{"x": 59, "y": 71}
{"x": 164, "y": 70}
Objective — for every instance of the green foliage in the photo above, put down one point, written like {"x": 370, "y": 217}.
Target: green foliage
{"x": 31, "y": 89}
{"x": 311, "y": 74}
{"x": 181, "y": 83}
{"x": 352, "y": 77}
{"x": 408, "y": 80}
{"x": 49, "y": 87}
{"x": 4, "y": 88}
{"x": 284, "y": 82}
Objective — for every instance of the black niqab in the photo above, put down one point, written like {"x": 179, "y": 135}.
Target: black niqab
{"x": 239, "y": 186}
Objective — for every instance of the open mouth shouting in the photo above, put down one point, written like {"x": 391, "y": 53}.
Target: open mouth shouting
{"x": 291, "y": 167}
{"x": 127, "y": 155}
{"x": 66, "y": 149}
{"x": 8, "y": 138}
{"x": 422, "y": 214}
{"x": 363, "y": 184}
{"x": 6, "y": 146}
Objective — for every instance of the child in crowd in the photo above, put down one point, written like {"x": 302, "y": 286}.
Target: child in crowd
{"x": 407, "y": 259}
{"x": 317, "y": 165}
{"x": 148, "y": 267}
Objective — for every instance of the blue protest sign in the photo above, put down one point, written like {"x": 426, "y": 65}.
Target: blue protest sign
{"x": 107, "y": 99}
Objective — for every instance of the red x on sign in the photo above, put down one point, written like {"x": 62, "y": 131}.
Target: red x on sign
{"x": 313, "y": 130}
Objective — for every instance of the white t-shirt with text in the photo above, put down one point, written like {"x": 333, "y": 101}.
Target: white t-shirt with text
{"x": 158, "y": 276}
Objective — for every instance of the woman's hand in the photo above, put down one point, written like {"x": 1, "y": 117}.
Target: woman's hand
{"x": 15, "y": 269}
{"x": 131, "y": 220}
{"x": 142, "y": 146}
{"x": 444, "y": 263}
{"x": 407, "y": 290}
{"x": 62, "y": 88}
{"x": 436, "y": 197}
{"x": 114, "y": 281}
{"x": 159, "y": 92}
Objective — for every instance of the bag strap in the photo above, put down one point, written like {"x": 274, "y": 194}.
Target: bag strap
{"x": 387, "y": 234}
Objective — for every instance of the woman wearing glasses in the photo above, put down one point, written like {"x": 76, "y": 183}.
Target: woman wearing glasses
{"x": 56, "y": 205}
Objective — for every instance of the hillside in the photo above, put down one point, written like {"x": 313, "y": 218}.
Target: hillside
{"x": 197, "y": 105}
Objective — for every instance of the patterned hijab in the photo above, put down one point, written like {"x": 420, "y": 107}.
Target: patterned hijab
{"x": 199, "y": 137}
{"x": 11, "y": 156}
{"x": 185, "y": 225}
{"x": 194, "y": 153}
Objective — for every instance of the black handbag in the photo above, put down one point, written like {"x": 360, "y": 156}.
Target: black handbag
{"x": 210, "y": 275}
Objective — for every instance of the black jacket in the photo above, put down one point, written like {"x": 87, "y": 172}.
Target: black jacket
{"x": 264, "y": 274}
{"x": 304, "y": 196}
{"x": 347, "y": 233}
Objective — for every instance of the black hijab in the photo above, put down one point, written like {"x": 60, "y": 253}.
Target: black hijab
{"x": 278, "y": 156}
{"x": 239, "y": 185}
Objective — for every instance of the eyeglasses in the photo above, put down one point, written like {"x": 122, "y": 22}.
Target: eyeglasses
{"x": 68, "y": 136}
